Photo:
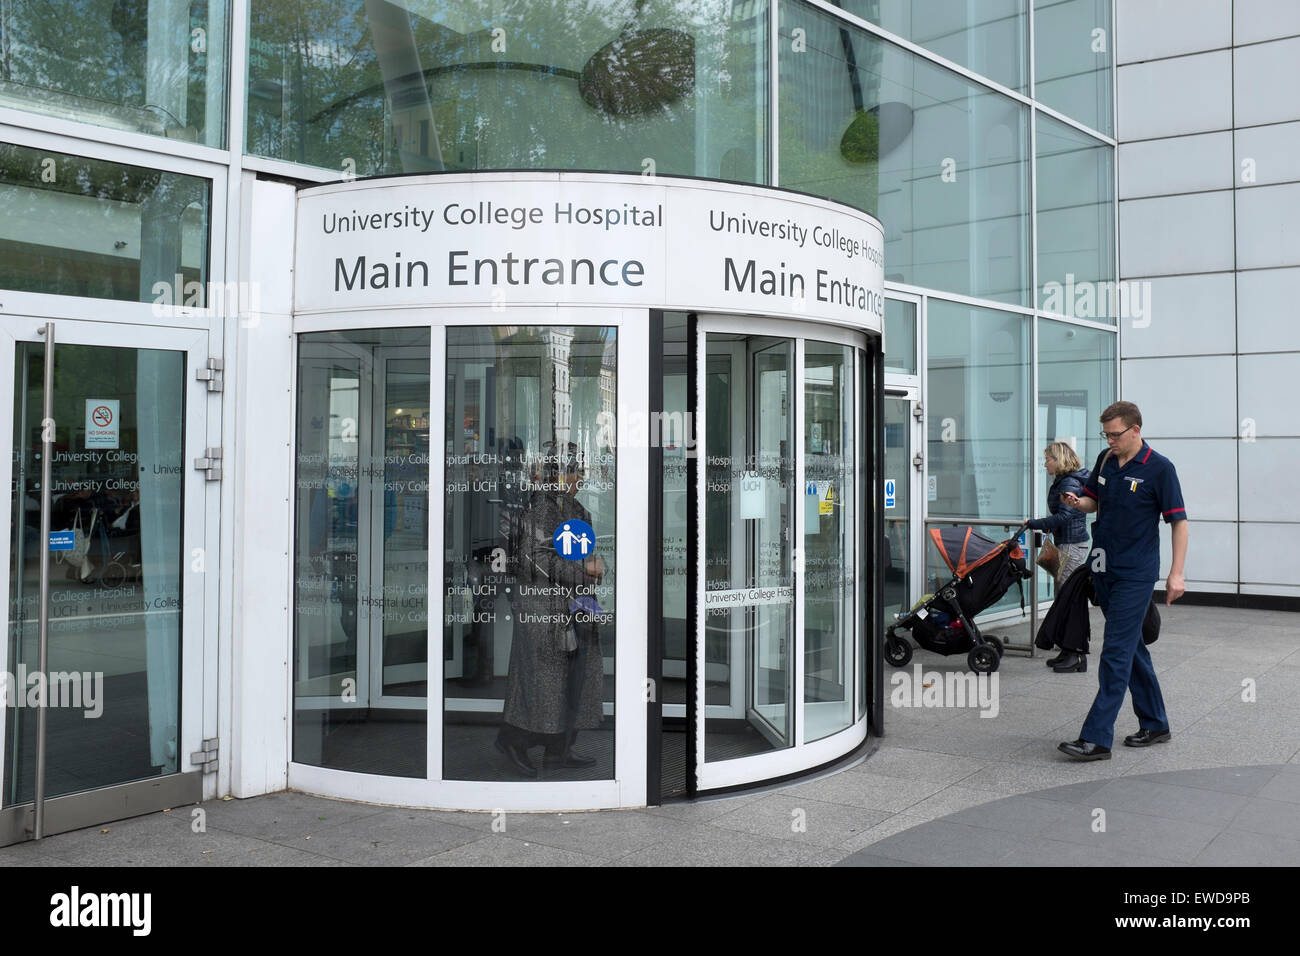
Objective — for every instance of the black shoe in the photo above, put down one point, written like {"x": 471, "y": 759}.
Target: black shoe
{"x": 1072, "y": 662}
{"x": 570, "y": 758}
{"x": 1053, "y": 661}
{"x": 1145, "y": 738}
{"x": 1083, "y": 750}
{"x": 518, "y": 758}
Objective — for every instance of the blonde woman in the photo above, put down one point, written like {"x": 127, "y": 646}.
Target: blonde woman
{"x": 1069, "y": 531}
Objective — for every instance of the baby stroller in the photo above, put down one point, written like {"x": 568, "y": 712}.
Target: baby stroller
{"x": 982, "y": 571}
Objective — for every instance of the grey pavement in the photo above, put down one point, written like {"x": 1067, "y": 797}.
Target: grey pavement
{"x": 944, "y": 786}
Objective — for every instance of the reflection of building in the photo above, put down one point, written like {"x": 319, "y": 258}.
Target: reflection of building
{"x": 135, "y": 160}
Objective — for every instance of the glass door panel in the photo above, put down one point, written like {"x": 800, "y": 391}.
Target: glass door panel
{"x": 749, "y": 493}
{"x": 830, "y": 538}
{"x": 118, "y": 475}
{"x": 897, "y": 510}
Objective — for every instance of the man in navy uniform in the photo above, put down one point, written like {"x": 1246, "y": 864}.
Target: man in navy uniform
{"x": 1131, "y": 488}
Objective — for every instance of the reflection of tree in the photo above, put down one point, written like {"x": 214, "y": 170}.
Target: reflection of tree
{"x": 822, "y": 94}
{"x": 97, "y": 55}
{"x": 505, "y": 83}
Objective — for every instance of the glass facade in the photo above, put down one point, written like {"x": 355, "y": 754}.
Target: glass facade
{"x": 1076, "y": 223}
{"x": 990, "y": 37}
{"x": 942, "y": 161}
{"x": 145, "y": 66}
{"x": 1073, "y": 60}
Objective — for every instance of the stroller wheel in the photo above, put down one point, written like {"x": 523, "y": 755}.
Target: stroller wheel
{"x": 996, "y": 643}
{"x": 897, "y": 651}
{"x": 983, "y": 659}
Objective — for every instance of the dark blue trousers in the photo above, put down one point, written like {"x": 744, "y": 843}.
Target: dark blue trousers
{"x": 1125, "y": 662}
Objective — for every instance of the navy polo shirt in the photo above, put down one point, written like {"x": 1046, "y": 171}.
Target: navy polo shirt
{"x": 1131, "y": 501}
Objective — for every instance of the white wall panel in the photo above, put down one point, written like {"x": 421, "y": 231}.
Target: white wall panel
{"x": 1267, "y": 558}
{"x": 1268, "y": 387}
{"x": 1183, "y": 397}
{"x": 1268, "y": 303}
{"x": 1206, "y": 468}
{"x": 1185, "y": 315}
{"x": 1184, "y": 164}
{"x": 1265, "y": 81}
{"x": 1268, "y": 483}
{"x": 1255, "y": 20}
{"x": 1268, "y": 226}
{"x": 1275, "y": 151}
{"x": 1147, "y": 29}
{"x": 1191, "y": 94}
{"x": 1211, "y": 552}
{"x": 1176, "y": 235}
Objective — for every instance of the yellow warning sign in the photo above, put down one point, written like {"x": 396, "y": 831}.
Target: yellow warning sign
{"x": 826, "y": 505}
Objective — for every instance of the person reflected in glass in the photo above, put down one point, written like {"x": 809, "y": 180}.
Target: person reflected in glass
{"x": 1069, "y": 530}
{"x": 553, "y": 689}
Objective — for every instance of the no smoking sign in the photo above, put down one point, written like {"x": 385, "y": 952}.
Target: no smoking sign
{"x": 102, "y": 426}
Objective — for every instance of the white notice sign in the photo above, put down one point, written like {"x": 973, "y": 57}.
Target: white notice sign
{"x": 753, "y": 495}
{"x": 102, "y": 426}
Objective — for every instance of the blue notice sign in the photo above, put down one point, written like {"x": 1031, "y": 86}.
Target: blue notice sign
{"x": 890, "y": 496}
{"x": 574, "y": 539}
{"x": 62, "y": 540}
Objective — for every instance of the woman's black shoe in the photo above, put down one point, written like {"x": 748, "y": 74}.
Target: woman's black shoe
{"x": 1053, "y": 661}
{"x": 518, "y": 758}
{"x": 1072, "y": 662}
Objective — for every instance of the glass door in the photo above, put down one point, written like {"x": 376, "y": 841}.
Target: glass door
{"x": 119, "y": 426}
{"x": 901, "y": 480}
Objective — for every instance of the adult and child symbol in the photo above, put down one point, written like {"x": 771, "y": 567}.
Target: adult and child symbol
{"x": 574, "y": 532}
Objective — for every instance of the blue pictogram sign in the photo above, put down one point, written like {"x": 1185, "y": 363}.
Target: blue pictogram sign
{"x": 890, "y": 497}
{"x": 574, "y": 539}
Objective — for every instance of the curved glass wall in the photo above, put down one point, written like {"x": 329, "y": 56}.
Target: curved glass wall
{"x": 529, "y": 625}
{"x": 147, "y": 66}
{"x": 361, "y": 557}
{"x": 393, "y": 86}
{"x": 941, "y": 161}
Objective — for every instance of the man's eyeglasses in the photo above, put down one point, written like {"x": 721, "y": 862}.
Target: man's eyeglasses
{"x": 1114, "y": 436}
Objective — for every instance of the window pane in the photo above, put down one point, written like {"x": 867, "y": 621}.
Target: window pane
{"x": 941, "y": 161}
{"x": 421, "y": 85}
{"x": 1076, "y": 381}
{"x": 148, "y": 66}
{"x": 75, "y": 226}
{"x": 361, "y": 615}
{"x": 989, "y": 37}
{"x": 900, "y": 336}
{"x": 530, "y": 537}
{"x": 1076, "y": 226}
{"x": 1072, "y": 59}
{"x": 977, "y": 411}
